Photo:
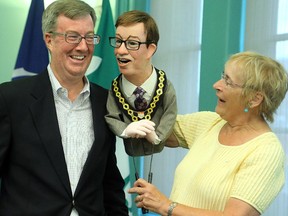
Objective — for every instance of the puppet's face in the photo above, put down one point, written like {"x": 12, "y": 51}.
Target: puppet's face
{"x": 134, "y": 58}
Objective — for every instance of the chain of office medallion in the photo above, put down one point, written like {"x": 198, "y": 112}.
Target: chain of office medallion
{"x": 134, "y": 114}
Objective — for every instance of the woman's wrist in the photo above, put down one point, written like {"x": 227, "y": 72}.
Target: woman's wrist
{"x": 171, "y": 208}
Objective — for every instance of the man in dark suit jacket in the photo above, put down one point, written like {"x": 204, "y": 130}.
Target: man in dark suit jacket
{"x": 48, "y": 166}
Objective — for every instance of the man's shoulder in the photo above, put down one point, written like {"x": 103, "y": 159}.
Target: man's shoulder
{"x": 98, "y": 91}
{"x": 23, "y": 85}
{"x": 18, "y": 82}
{"x": 96, "y": 87}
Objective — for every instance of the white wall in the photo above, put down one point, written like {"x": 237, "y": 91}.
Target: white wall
{"x": 12, "y": 21}
{"x": 178, "y": 54}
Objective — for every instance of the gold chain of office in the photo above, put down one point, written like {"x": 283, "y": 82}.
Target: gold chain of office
{"x": 135, "y": 115}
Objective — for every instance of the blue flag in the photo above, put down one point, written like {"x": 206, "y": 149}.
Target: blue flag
{"x": 33, "y": 54}
{"x": 103, "y": 68}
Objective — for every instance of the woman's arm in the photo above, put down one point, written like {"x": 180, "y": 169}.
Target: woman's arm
{"x": 172, "y": 141}
{"x": 151, "y": 198}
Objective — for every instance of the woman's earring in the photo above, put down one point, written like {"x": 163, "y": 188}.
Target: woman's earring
{"x": 247, "y": 107}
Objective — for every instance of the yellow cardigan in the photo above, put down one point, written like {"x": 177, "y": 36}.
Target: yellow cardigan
{"x": 211, "y": 173}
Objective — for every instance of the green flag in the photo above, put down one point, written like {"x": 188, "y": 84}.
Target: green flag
{"x": 103, "y": 68}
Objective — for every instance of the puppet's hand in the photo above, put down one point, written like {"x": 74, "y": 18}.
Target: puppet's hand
{"x": 139, "y": 129}
{"x": 153, "y": 138}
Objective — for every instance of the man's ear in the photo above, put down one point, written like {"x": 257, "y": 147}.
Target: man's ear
{"x": 47, "y": 39}
{"x": 151, "y": 49}
{"x": 256, "y": 100}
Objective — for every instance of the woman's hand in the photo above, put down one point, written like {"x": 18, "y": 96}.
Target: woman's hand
{"x": 149, "y": 197}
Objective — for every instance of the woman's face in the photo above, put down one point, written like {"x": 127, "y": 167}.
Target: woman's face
{"x": 230, "y": 104}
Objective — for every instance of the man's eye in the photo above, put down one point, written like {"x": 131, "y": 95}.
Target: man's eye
{"x": 90, "y": 37}
{"x": 73, "y": 37}
{"x": 118, "y": 41}
{"x": 132, "y": 43}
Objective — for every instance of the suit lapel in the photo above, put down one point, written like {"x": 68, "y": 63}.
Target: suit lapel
{"x": 97, "y": 99}
{"x": 45, "y": 117}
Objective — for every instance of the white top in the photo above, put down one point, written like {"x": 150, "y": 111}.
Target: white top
{"x": 148, "y": 86}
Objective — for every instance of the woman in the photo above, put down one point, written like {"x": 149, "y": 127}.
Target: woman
{"x": 235, "y": 163}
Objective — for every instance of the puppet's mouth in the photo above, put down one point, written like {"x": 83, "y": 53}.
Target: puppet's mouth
{"x": 123, "y": 60}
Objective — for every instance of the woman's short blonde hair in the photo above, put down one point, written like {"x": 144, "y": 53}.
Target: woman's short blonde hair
{"x": 261, "y": 74}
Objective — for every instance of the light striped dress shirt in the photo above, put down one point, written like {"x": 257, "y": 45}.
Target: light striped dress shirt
{"x": 76, "y": 128}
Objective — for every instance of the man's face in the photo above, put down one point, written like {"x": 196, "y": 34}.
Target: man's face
{"x": 70, "y": 61}
{"x": 133, "y": 62}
